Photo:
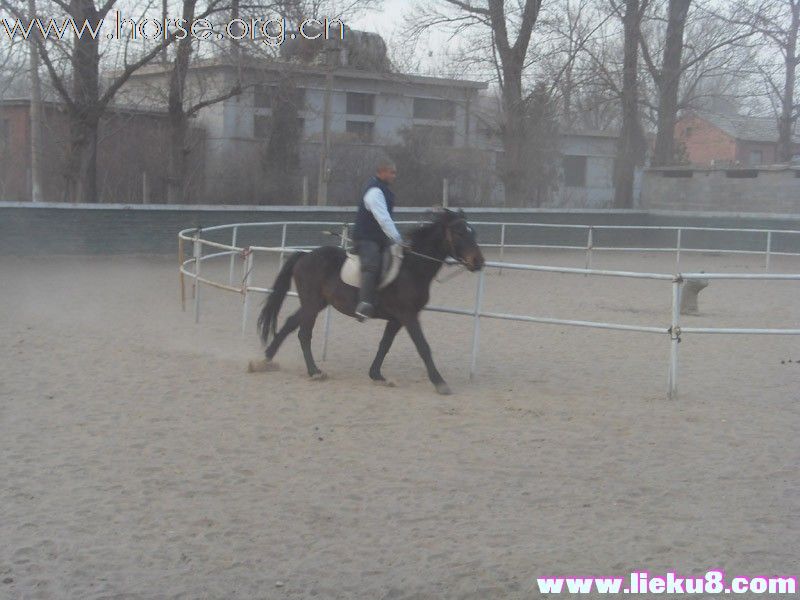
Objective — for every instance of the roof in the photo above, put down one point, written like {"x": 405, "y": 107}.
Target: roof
{"x": 576, "y": 132}
{"x": 294, "y": 67}
{"x": 741, "y": 127}
{"x": 112, "y": 108}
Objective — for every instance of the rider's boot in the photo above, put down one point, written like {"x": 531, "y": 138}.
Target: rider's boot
{"x": 366, "y": 295}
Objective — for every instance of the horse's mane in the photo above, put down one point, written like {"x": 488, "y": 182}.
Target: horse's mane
{"x": 423, "y": 232}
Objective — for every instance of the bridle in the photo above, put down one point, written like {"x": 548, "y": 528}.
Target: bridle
{"x": 452, "y": 253}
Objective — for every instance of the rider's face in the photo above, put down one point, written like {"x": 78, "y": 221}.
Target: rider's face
{"x": 387, "y": 174}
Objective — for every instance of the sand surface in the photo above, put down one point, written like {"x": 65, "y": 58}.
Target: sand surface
{"x": 139, "y": 461}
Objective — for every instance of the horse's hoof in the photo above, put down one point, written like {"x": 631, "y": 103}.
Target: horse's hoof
{"x": 318, "y": 376}
{"x": 384, "y": 382}
{"x": 260, "y": 366}
{"x": 443, "y": 389}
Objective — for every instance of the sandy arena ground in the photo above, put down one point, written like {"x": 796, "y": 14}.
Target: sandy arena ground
{"x": 139, "y": 461}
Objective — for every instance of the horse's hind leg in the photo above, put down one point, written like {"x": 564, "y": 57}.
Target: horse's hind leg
{"x": 292, "y": 323}
{"x": 267, "y": 365}
{"x": 307, "y": 320}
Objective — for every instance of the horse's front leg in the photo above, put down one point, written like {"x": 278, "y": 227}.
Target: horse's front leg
{"x": 415, "y": 331}
{"x": 392, "y": 327}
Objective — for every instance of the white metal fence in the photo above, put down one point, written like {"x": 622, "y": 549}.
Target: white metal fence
{"x": 674, "y": 330}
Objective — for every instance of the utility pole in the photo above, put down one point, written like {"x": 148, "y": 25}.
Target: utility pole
{"x": 35, "y": 117}
{"x": 324, "y": 155}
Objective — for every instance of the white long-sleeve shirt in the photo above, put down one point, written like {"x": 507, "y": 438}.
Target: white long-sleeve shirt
{"x": 375, "y": 202}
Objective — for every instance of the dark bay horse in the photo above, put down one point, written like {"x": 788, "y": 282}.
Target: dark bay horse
{"x": 316, "y": 278}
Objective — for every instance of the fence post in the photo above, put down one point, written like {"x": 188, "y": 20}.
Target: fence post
{"x": 678, "y": 251}
{"x": 283, "y": 245}
{"x": 198, "y": 252}
{"x": 675, "y": 336}
{"x": 769, "y": 249}
{"x": 181, "y": 260}
{"x": 445, "y": 192}
{"x": 247, "y": 275}
{"x": 305, "y": 190}
{"x": 502, "y": 244}
{"x": 233, "y": 256}
{"x": 476, "y": 325}
{"x": 589, "y": 245}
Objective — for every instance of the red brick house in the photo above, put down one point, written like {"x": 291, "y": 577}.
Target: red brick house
{"x": 710, "y": 139}
{"x": 132, "y": 147}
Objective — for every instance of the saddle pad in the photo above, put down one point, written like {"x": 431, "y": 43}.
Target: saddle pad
{"x": 392, "y": 259}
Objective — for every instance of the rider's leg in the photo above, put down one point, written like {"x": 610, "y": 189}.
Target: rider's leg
{"x": 370, "y": 254}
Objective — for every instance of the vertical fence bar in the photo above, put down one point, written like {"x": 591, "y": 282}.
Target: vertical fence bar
{"x": 198, "y": 252}
{"x": 233, "y": 256}
{"x": 675, "y": 337}
{"x": 589, "y": 245}
{"x": 247, "y": 276}
{"x": 283, "y": 245}
{"x": 326, "y": 335}
{"x": 678, "y": 251}
{"x": 769, "y": 249}
{"x": 181, "y": 260}
{"x": 502, "y": 244}
{"x": 476, "y": 325}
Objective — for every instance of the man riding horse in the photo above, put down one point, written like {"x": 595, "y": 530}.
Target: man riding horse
{"x": 374, "y": 231}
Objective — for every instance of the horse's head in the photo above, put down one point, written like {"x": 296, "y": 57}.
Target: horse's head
{"x": 461, "y": 239}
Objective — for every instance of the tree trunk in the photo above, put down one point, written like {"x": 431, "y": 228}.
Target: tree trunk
{"x": 786, "y": 119}
{"x": 81, "y": 163}
{"x": 176, "y": 167}
{"x": 631, "y": 144}
{"x": 514, "y": 139}
{"x": 35, "y": 117}
{"x": 669, "y": 82}
{"x": 81, "y": 172}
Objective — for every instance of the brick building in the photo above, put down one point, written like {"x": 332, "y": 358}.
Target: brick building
{"x": 131, "y": 153}
{"x": 710, "y": 139}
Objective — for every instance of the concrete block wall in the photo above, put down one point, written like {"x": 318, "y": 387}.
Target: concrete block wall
{"x": 49, "y": 229}
{"x": 772, "y": 190}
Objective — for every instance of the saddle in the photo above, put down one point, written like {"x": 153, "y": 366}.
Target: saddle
{"x": 390, "y": 267}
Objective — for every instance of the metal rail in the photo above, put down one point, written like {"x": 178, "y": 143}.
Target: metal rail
{"x": 674, "y": 330}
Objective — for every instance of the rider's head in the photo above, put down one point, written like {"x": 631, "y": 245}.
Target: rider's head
{"x": 386, "y": 170}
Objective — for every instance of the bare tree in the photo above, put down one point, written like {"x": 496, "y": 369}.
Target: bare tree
{"x": 631, "y": 147}
{"x": 714, "y": 34}
{"x": 79, "y": 87}
{"x": 509, "y": 28}
{"x": 778, "y": 23}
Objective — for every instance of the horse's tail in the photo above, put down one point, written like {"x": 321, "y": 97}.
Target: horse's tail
{"x": 268, "y": 319}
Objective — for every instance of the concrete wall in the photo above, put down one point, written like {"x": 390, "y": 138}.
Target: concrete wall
{"x": 118, "y": 229}
{"x": 773, "y": 190}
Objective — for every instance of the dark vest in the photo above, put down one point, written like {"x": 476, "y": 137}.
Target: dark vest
{"x": 366, "y": 227}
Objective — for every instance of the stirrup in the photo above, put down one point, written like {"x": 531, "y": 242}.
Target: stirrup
{"x": 364, "y": 311}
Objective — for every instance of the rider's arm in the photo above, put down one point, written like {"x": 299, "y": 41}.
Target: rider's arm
{"x": 375, "y": 202}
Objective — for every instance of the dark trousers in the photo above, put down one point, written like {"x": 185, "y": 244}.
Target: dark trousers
{"x": 371, "y": 255}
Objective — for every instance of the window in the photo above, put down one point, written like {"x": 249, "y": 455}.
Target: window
{"x": 261, "y": 126}
{"x": 435, "y": 135}
{"x": 263, "y": 95}
{"x": 360, "y": 104}
{"x": 756, "y": 157}
{"x": 689, "y": 132}
{"x": 360, "y": 130}
{"x": 266, "y": 96}
{"x": 574, "y": 171}
{"x": 431, "y": 108}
